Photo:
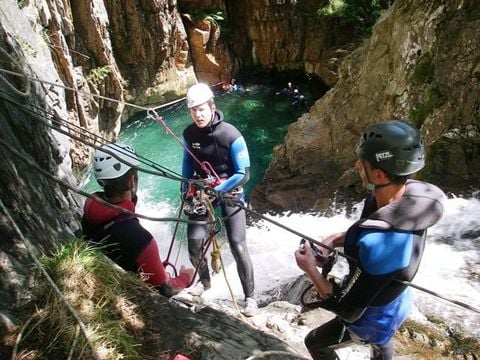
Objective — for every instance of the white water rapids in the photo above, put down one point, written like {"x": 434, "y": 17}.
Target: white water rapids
{"x": 450, "y": 264}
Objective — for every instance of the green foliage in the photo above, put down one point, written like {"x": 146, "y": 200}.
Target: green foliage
{"x": 344, "y": 73}
{"x": 97, "y": 75}
{"x": 460, "y": 345}
{"x": 360, "y": 14}
{"x": 334, "y": 8}
{"x": 98, "y": 292}
{"x": 456, "y": 343}
{"x": 424, "y": 70}
{"x": 21, "y": 3}
{"x": 216, "y": 17}
{"x": 432, "y": 98}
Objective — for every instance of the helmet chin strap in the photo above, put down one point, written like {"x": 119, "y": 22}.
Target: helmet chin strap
{"x": 372, "y": 187}
{"x": 382, "y": 185}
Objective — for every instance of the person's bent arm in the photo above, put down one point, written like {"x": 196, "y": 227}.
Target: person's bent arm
{"x": 150, "y": 265}
{"x": 187, "y": 168}
{"x": 333, "y": 241}
{"x": 241, "y": 163}
{"x": 306, "y": 261}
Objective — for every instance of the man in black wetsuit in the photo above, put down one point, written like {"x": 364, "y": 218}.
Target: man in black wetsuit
{"x": 385, "y": 245}
{"x": 210, "y": 139}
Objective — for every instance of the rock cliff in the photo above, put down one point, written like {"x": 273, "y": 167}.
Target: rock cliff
{"x": 421, "y": 63}
{"x": 128, "y": 51}
{"x": 287, "y": 35}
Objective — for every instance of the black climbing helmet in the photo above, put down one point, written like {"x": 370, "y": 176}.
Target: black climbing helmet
{"x": 393, "y": 146}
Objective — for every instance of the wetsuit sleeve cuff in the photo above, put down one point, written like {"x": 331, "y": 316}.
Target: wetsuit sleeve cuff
{"x": 181, "y": 281}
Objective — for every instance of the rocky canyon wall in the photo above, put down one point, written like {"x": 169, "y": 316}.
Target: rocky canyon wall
{"x": 69, "y": 51}
{"x": 421, "y": 63}
{"x": 33, "y": 209}
{"x": 285, "y": 35}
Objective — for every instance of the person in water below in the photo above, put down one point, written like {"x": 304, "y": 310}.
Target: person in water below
{"x": 210, "y": 139}
{"x": 120, "y": 235}
{"x": 385, "y": 245}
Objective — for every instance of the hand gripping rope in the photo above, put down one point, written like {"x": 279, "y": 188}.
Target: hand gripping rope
{"x": 308, "y": 298}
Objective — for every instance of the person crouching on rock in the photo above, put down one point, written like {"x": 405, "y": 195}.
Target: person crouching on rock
{"x": 121, "y": 236}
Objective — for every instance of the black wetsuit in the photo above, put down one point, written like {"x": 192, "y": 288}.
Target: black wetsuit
{"x": 223, "y": 146}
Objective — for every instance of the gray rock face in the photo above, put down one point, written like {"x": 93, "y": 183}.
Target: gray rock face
{"x": 287, "y": 35}
{"x": 419, "y": 64}
{"x": 34, "y": 210}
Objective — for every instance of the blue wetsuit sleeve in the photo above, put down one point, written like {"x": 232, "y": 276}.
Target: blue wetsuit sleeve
{"x": 384, "y": 252}
{"x": 187, "y": 169}
{"x": 241, "y": 163}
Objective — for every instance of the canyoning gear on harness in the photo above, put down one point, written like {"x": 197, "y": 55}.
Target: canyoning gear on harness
{"x": 108, "y": 166}
{"x": 194, "y": 206}
{"x": 393, "y": 146}
{"x": 198, "y": 94}
{"x": 197, "y": 197}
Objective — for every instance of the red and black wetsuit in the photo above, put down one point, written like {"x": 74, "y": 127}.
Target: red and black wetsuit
{"x": 128, "y": 243}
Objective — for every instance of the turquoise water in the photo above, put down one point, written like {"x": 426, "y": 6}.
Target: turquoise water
{"x": 260, "y": 115}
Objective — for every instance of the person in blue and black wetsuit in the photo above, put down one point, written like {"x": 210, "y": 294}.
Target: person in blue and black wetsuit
{"x": 385, "y": 245}
{"x": 219, "y": 143}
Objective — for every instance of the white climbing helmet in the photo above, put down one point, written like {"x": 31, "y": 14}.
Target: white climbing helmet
{"x": 198, "y": 94}
{"x": 108, "y": 167}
